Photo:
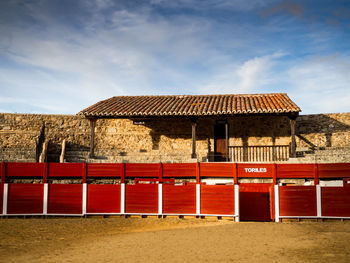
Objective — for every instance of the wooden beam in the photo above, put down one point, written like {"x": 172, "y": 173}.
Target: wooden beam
{"x": 292, "y": 134}
{"x": 194, "y": 125}
{"x": 92, "y": 138}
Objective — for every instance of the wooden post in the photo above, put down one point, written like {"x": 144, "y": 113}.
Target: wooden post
{"x": 226, "y": 141}
{"x": 160, "y": 172}
{"x": 194, "y": 125}
{"x": 292, "y": 134}
{"x": 92, "y": 138}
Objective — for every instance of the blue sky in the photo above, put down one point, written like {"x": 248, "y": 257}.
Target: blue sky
{"x": 60, "y": 56}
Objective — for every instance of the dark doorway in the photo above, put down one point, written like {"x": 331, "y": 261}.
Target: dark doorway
{"x": 220, "y": 142}
{"x": 255, "y": 202}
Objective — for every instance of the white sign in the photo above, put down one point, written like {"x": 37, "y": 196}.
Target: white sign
{"x": 255, "y": 170}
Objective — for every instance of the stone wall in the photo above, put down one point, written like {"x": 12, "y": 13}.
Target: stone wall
{"x": 166, "y": 140}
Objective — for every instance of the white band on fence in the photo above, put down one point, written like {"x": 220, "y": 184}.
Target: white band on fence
{"x": 4, "y": 200}
{"x": 277, "y": 204}
{"x": 46, "y": 192}
{"x": 198, "y": 199}
{"x": 160, "y": 199}
{"x": 237, "y": 202}
{"x": 318, "y": 200}
{"x": 122, "y": 198}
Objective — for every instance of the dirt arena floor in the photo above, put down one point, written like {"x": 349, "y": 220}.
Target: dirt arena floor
{"x": 171, "y": 240}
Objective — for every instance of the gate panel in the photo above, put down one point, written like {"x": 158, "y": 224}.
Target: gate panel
{"x": 65, "y": 199}
{"x": 298, "y": 201}
{"x": 218, "y": 199}
{"x": 141, "y": 198}
{"x": 335, "y": 201}
{"x": 103, "y": 198}
{"x": 179, "y": 199}
{"x": 255, "y": 202}
{"x": 25, "y": 198}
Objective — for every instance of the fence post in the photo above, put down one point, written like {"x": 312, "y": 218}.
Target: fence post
{"x": 45, "y": 198}
{"x": 198, "y": 199}
{"x": 318, "y": 200}
{"x": 4, "y": 200}
{"x": 277, "y": 204}
{"x": 84, "y": 198}
{"x": 235, "y": 175}
{"x": 198, "y": 179}
{"x": 160, "y": 198}
{"x": 83, "y": 168}
{"x": 237, "y": 202}
{"x": 122, "y": 197}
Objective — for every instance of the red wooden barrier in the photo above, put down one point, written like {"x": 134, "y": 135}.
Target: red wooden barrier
{"x": 66, "y": 170}
{"x": 298, "y": 201}
{"x": 142, "y": 170}
{"x": 218, "y": 199}
{"x": 295, "y": 170}
{"x": 141, "y": 198}
{"x": 25, "y": 198}
{"x": 103, "y": 198}
{"x": 256, "y": 202}
{"x": 335, "y": 201}
{"x": 179, "y": 199}
{"x": 105, "y": 170}
{"x": 333, "y": 170}
{"x": 217, "y": 170}
{"x": 179, "y": 170}
{"x": 25, "y": 169}
{"x": 256, "y": 170}
{"x": 65, "y": 199}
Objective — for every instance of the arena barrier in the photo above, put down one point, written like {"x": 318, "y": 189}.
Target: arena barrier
{"x": 156, "y": 189}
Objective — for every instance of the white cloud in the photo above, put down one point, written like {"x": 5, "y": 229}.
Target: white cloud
{"x": 250, "y": 76}
{"x": 321, "y": 84}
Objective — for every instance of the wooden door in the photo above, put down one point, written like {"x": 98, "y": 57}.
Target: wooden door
{"x": 256, "y": 202}
{"x": 220, "y": 143}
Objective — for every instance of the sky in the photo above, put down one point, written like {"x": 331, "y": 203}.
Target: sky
{"x": 61, "y": 56}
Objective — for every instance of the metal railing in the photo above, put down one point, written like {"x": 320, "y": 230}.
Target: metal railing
{"x": 259, "y": 153}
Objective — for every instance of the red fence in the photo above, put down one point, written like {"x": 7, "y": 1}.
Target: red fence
{"x": 155, "y": 191}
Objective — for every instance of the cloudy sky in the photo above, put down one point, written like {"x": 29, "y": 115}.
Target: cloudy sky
{"x": 60, "y": 56}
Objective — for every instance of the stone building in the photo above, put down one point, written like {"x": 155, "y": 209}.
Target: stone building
{"x": 239, "y": 128}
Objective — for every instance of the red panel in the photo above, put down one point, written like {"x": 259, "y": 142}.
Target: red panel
{"x": 298, "y": 201}
{"x": 104, "y": 170}
{"x": 103, "y": 198}
{"x": 255, "y": 170}
{"x": 25, "y": 198}
{"x": 179, "y": 199}
{"x": 217, "y": 169}
{"x": 218, "y": 199}
{"x": 333, "y": 170}
{"x": 66, "y": 169}
{"x": 335, "y": 201}
{"x": 141, "y": 198}
{"x": 25, "y": 169}
{"x": 142, "y": 170}
{"x": 179, "y": 169}
{"x": 255, "y": 202}
{"x": 295, "y": 170}
{"x": 65, "y": 199}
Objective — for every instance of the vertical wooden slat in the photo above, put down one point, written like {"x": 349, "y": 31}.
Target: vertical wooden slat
{"x": 160, "y": 172}
{"x": 198, "y": 179}
{"x": 194, "y": 125}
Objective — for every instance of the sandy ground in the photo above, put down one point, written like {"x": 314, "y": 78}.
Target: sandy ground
{"x": 171, "y": 240}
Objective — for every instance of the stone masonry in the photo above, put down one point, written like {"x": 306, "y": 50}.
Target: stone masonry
{"x": 320, "y": 137}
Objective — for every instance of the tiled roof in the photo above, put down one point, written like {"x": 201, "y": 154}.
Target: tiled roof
{"x": 191, "y": 105}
